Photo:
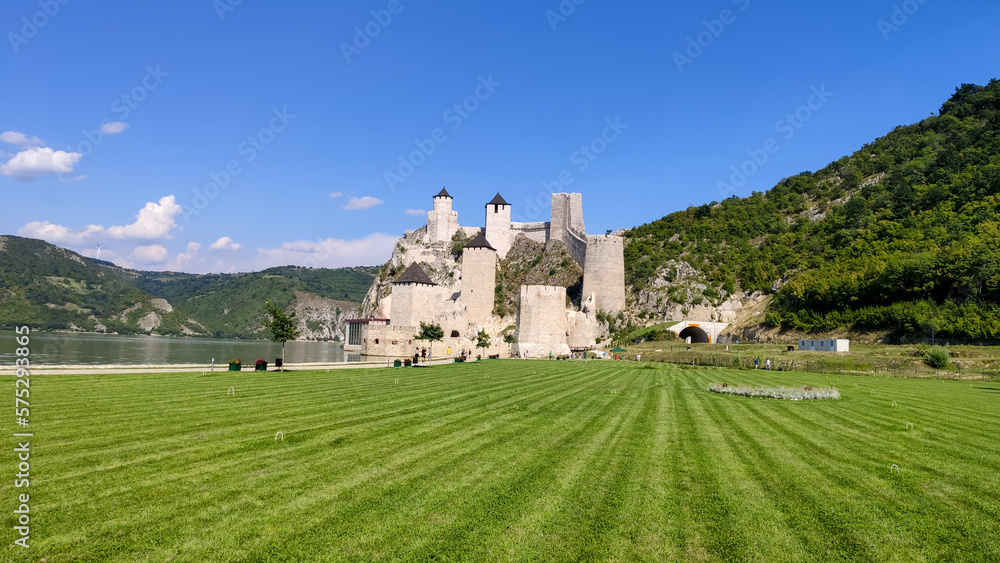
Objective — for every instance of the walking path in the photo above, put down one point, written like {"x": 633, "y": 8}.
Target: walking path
{"x": 187, "y": 368}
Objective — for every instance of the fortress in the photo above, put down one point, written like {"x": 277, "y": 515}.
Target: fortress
{"x": 464, "y": 307}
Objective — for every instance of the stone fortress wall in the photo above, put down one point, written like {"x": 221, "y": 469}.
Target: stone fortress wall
{"x": 604, "y": 272}
{"x": 544, "y": 323}
{"x": 541, "y": 321}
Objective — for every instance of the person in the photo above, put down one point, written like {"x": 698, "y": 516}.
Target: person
{"x": 767, "y": 364}
{"x": 423, "y": 353}
{"x": 550, "y": 354}
{"x": 449, "y": 350}
{"x": 756, "y": 362}
{"x": 638, "y": 357}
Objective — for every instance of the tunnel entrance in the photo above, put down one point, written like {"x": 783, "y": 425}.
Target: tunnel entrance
{"x": 698, "y": 336}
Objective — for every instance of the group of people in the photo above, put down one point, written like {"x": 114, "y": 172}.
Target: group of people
{"x": 420, "y": 354}
{"x": 767, "y": 363}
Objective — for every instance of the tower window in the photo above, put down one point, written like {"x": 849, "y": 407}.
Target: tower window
{"x": 496, "y": 208}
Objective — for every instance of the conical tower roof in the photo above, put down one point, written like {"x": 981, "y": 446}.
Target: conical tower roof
{"x": 444, "y": 193}
{"x": 498, "y": 200}
{"x": 480, "y": 242}
{"x": 414, "y": 274}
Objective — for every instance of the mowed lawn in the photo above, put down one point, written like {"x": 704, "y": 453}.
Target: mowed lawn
{"x": 506, "y": 461}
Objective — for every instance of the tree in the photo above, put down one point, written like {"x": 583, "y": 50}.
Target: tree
{"x": 281, "y": 325}
{"x": 482, "y": 340}
{"x": 431, "y": 332}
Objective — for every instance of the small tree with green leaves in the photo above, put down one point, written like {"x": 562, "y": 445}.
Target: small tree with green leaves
{"x": 432, "y": 332}
{"x": 282, "y": 326}
{"x": 482, "y": 340}
{"x": 937, "y": 357}
{"x": 510, "y": 339}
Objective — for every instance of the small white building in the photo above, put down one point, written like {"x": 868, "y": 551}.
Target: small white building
{"x": 837, "y": 345}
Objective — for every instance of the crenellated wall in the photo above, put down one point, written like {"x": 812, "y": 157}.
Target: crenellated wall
{"x": 604, "y": 272}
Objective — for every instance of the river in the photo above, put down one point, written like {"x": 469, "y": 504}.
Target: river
{"x": 68, "y": 348}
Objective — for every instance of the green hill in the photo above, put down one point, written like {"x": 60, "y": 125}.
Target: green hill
{"x": 902, "y": 236}
{"x": 51, "y": 288}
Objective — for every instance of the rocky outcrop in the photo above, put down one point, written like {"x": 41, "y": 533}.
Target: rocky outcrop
{"x": 322, "y": 318}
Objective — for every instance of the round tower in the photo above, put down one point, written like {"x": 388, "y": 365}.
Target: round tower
{"x": 442, "y": 221}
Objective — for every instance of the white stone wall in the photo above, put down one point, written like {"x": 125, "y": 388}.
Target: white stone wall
{"x": 479, "y": 280}
{"x": 442, "y": 222}
{"x": 542, "y": 321}
{"x": 538, "y": 232}
{"x": 498, "y": 231}
{"x": 413, "y": 303}
{"x": 604, "y": 272}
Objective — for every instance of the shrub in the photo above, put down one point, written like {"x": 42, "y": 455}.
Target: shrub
{"x": 937, "y": 357}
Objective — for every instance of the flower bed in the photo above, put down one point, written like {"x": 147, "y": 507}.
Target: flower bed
{"x": 791, "y": 393}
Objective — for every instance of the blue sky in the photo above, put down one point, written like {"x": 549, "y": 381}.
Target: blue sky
{"x": 237, "y": 137}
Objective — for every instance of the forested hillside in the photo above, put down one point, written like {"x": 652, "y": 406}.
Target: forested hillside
{"x": 48, "y": 287}
{"x": 902, "y": 236}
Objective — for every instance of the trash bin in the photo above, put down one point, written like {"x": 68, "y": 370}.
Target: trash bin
{"x": 277, "y": 362}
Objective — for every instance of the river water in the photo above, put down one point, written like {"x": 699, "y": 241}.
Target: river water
{"x": 65, "y": 348}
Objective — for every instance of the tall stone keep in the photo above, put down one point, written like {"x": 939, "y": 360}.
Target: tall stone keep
{"x": 604, "y": 272}
{"x": 414, "y": 297}
{"x": 567, "y": 224}
{"x": 498, "y": 225}
{"x": 542, "y": 325}
{"x": 479, "y": 279}
{"x": 442, "y": 221}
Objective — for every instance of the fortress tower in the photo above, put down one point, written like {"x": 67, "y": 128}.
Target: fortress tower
{"x": 442, "y": 222}
{"x": 498, "y": 225}
{"x": 542, "y": 324}
{"x": 567, "y": 224}
{"x": 414, "y": 297}
{"x": 604, "y": 272}
{"x": 479, "y": 279}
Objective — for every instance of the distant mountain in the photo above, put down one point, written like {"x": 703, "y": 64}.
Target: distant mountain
{"x": 902, "y": 237}
{"x": 48, "y": 287}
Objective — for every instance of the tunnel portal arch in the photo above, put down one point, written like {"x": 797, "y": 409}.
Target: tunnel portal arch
{"x": 698, "y": 336}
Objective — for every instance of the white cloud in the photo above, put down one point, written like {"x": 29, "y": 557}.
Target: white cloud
{"x": 416, "y": 212}
{"x": 150, "y": 253}
{"x": 20, "y": 139}
{"x": 154, "y": 221}
{"x": 366, "y": 202}
{"x": 35, "y": 162}
{"x": 225, "y": 243}
{"x": 114, "y": 127}
{"x": 336, "y": 194}
{"x": 375, "y": 248}
{"x": 185, "y": 261}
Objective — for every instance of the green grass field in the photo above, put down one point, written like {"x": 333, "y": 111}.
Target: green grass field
{"x": 507, "y": 460}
